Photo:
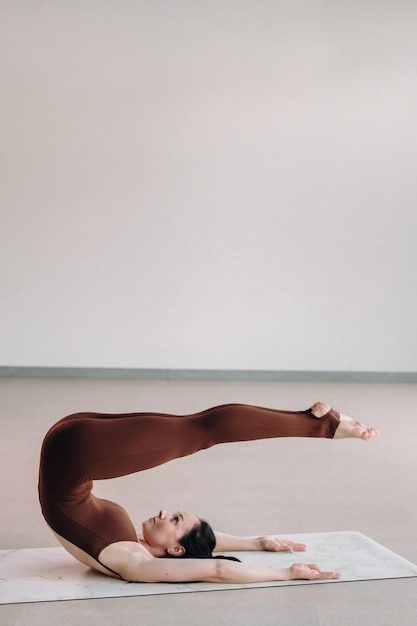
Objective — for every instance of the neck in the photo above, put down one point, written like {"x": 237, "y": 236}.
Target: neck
{"x": 154, "y": 551}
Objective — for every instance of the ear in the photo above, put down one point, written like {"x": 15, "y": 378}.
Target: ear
{"x": 176, "y": 550}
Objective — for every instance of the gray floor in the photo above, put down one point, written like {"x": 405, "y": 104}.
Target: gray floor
{"x": 280, "y": 486}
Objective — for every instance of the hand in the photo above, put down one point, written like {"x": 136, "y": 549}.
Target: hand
{"x": 273, "y": 544}
{"x": 302, "y": 571}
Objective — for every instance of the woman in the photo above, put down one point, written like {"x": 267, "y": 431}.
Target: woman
{"x": 84, "y": 447}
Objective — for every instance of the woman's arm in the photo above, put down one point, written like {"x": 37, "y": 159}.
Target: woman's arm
{"x": 135, "y": 569}
{"x": 133, "y": 564}
{"x": 232, "y": 543}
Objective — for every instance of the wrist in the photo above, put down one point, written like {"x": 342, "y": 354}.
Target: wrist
{"x": 261, "y": 542}
{"x": 284, "y": 574}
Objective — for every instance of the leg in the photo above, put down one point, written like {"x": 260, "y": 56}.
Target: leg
{"x": 107, "y": 446}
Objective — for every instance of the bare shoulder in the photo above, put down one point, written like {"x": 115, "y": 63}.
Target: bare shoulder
{"x": 122, "y": 556}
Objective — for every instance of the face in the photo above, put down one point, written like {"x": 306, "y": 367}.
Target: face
{"x": 163, "y": 532}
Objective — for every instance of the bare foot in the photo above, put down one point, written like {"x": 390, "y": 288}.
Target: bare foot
{"x": 348, "y": 427}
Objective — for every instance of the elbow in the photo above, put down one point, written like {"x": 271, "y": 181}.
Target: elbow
{"x": 222, "y": 572}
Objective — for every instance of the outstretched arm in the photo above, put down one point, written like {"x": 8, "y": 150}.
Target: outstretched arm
{"x": 135, "y": 566}
{"x": 232, "y": 543}
{"x": 217, "y": 571}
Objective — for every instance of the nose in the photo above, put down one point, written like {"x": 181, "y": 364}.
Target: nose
{"x": 163, "y": 514}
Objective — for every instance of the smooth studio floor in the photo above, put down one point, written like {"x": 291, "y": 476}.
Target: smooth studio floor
{"x": 289, "y": 485}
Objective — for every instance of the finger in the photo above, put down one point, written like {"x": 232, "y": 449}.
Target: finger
{"x": 281, "y": 546}
{"x": 329, "y": 575}
{"x": 286, "y": 547}
{"x": 291, "y": 545}
{"x": 316, "y": 573}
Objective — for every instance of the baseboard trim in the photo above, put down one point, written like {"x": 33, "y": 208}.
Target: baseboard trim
{"x": 109, "y": 373}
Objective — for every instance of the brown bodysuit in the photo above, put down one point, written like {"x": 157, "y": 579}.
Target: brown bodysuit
{"x": 84, "y": 447}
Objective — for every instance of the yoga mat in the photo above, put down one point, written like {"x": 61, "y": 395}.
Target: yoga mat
{"x": 51, "y": 574}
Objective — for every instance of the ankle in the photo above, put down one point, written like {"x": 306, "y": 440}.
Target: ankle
{"x": 320, "y": 409}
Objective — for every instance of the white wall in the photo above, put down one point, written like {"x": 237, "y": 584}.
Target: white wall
{"x": 209, "y": 184}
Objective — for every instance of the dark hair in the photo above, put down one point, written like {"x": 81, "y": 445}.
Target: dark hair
{"x": 200, "y": 542}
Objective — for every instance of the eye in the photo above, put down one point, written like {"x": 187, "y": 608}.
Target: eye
{"x": 175, "y": 519}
